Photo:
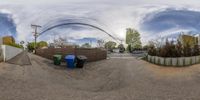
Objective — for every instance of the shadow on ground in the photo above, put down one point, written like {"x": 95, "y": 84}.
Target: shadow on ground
{"x": 21, "y": 59}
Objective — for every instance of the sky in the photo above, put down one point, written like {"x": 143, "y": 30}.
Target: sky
{"x": 152, "y": 18}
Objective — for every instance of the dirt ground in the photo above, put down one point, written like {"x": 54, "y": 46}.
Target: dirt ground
{"x": 112, "y": 79}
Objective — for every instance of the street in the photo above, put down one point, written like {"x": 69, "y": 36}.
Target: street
{"x": 111, "y": 79}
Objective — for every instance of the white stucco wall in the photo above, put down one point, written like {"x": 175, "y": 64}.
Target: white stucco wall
{"x": 1, "y": 54}
{"x": 1, "y": 51}
{"x": 10, "y": 52}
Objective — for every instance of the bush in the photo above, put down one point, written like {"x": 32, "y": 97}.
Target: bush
{"x": 172, "y": 49}
{"x": 15, "y": 45}
{"x": 187, "y": 50}
{"x": 162, "y": 52}
{"x": 152, "y": 50}
{"x": 179, "y": 48}
{"x": 196, "y": 50}
{"x": 145, "y": 47}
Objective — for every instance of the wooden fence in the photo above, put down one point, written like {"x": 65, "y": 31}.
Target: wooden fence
{"x": 93, "y": 54}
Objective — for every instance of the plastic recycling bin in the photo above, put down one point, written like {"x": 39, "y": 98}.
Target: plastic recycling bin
{"x": 71, "y": 61}
{"x": 80, "y": 61}
{"x": 57, "y": 59}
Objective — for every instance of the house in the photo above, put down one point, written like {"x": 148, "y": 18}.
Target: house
{"x": 189, "y": 40}
{"x": 8, "y": 40}
{"x": 198, "y": 39}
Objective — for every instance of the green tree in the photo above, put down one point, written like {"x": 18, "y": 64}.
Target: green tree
{"x": 86, "y": 45}
{"x": 31, "y": 46}
{"x": 133, "y": 38}
{"x": 129, "y": 35}
{"x": 129, "y": 48}
{"x": 42, "y": 44}
{"x": 110, "y": 45}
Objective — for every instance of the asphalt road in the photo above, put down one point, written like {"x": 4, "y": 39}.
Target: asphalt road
{"x": 20, "y": 59}
{"x": 111, "y": 79}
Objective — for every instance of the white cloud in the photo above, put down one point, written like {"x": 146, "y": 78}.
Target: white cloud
{"x": 109, "y": 2}
{"x": 114, "y": 16}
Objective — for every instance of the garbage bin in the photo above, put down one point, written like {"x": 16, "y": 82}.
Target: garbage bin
{"x": 70, "y": 60}
{"x": 57, "y": 59}
{"x": 80, "y": 61}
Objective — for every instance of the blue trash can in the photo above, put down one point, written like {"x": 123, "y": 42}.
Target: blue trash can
{"x": 70, "y": 60}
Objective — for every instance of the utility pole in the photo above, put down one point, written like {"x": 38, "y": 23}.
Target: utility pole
{"x": 36, "y": 34}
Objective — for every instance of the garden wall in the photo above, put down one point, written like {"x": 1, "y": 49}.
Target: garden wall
{"x": 1, "y": 51}
{"x": 179, "y": 61}
{"x": 1, "y": 54}
{"x": 93, "y": 54}
{"x": 8, "y": 52}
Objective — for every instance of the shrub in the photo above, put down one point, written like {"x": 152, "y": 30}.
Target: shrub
{"x": 15, "y": 45}
{"x": 179, "y": 49}
{"x": 187, "y": 50}
{"x": 196, "y": 50}
{"x": 173, "y": 49}
{"x": 168, "y": 50}
{"x": 163, "y": 52}
{"x": 152, "y": 50}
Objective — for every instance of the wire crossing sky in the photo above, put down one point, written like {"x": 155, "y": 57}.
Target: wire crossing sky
{"x": 152, "y": 18}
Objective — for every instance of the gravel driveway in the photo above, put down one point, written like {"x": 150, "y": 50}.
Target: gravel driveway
{"x": 111, "y": 79}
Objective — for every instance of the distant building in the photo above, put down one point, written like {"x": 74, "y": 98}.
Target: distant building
{"x": 45, "y": 47}
{"x": 198, "y": 39}
{"x": 189, "y": 39}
